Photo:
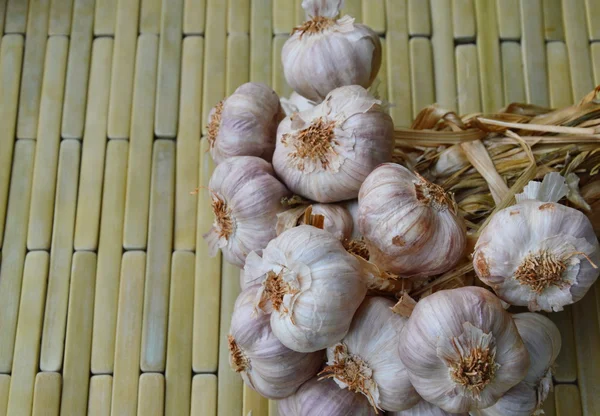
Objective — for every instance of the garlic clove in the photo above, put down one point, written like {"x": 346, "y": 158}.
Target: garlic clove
{"x": 245, "y": 123}
{"x": 336, "y": 219}
{"x": 246, "y": 198}
{"x": 324, "y": 397}
{"x": 310, "y": 286}
{"x": 518, "y": 401}
{"x": 371, "y": 348}
{"x": 409, "y": 224}
{"x": 264, "y": 363}
{"x": 323, "y": 53}
{"x": 424, "y": 408}
{"x": 462, "y": 349}
{"x": 325, "y": 153}
{"x": 542, "y": 255}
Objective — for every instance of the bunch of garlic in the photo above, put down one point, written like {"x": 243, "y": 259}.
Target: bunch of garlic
{"x": 331, "y": 217}
{"x": 246, "y": 198}
{"x": 245, "y": 123}
{"x": 543, "y": 342}
{"x": 309, "y": 284}
{"x": 409, "y": 224}
{"x": 367, "y": 361}
{"x": 264, "y": 363}
{"x": 539, "y": 253}
{"x": 324, "y": 397}
{"x": 424, "y": 408}
{"x": 324, "y": 53}
{"x": 462, "y": 349}
{"x": 295, "y": 103}
{"x": 325, "y": 153}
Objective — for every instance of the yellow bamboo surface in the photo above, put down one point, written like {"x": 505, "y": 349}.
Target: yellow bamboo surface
{"x": 109, "y": 302}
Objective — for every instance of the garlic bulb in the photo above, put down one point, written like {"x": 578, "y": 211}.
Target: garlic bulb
{"x": 331, "y": 217}
{"x": 295, "y": 103}
{"x": 366, "y": 361}
{"x": 539, "y": 253}
{"x": 324, "y": 397}
{"x": 543, "y": 342}
{"x": 309, "y": 284}
{"x": 424, "y": 408}
{"x": 462, "y": 349}
{"x": 246, "y": 198}
{"x": 324, "y": 53}
{"x": 324, "y": 154}
{"x": 264, "y": 363}
{"x": 245, "y": 123}
{"x": 409, "y": 224}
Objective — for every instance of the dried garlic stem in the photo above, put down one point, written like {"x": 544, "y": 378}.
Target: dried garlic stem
{"x": 405, "y": 306}
{"x": 222, "y": 216}
{"x": 315, "y": 220}
{"x": 215, "y": 123}
{"x": 433, "y": 195}
{"x": 239, "y": 360}
{"x": 313, "y": 143}
{"x": 357, "y": 247}
{"x": 353, "y": 371}
{"x": 315, "y": 25}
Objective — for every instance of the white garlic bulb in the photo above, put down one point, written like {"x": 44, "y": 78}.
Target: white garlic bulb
{"x": 324, "y": 154}
{"x": 539, "y": 253}
{"x": 324, "y": 53}
{"x": 409, "y": 224}
{"x": 424, "y": 408}
{"x": 309, "y": 284}
{"x": 264, "y": 363}
{"x": 367, "y": 361}
{"x": 324, "y": 397}
{"x": 543, "y": 342}
{"x": 462, "y": 349}
{"x": 246, "y": 198}
{"x": 331, "y": 217}
{"x": 245, "y": 123}
{"x": 295, "y": 103}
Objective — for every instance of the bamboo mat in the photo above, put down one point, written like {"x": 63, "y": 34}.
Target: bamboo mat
{"x": 109, "y": 303}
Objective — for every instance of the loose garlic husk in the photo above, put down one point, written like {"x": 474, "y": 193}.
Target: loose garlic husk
{"x": 324, "y": 397}
{"x": 264, "y": 363}
{"x": 324, "y": 154}
{"x": 539, "y": 253}
{"x": 324, "y": 53}
{"x": 409, "y": 224}
{"x": 543, "y": 342}
{"x": 424, "y": 408}
{"x": 295, "y": 103}
{"x": 462, "y": 350}
{"x": 245, "y": 123}
{"x": 310, "y": 285}
{"x": 330, "y": 217}
{"x": 367, "y": 361}
{"x": 246, "y": 198}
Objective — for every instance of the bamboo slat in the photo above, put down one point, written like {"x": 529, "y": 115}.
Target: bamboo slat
{"x": 398, "y": 68}
{"x": 150, "y": 15}
{"x": 4, "y": 390}
{"x": 204, "y": 395}
{"x": 60, "y": 17}
{"x": 16, "y": 16}
{"x": 99, "y": 401}
{"x": 194, "y": 17}
{"x": 509, "y": 19}
{"x": 238, "y": 16}
{"x": 553, "y": 25}
{"x": 254, "y": 403}
{"x": 488, "y": 50}
{"x": 261, "y": 28}
{"x": 105, "y": 17}
{"x": 467, "y": 79}
{"x": 373, "y": 15}
{"x": 419, "y": 21}
{"x": 46, "y": 399}
{"x": 534, "y": 53}
{"x": 353, "y": 8}
{"x": 443, "y": 56}
{"x": 566, "y": 363}
{"x": 279, "y": 82}
{"x": 421, "y": 73}
{"x": 238, "y": 56}
{"x": 596, "y": 62}
{"x": 151, "y": 397}
{"x": 559, "y": 78}
{"x": 463, "y": 18}
{"x": 593, "y": 23}
{"x": 567, "y": 400}
{"x": 512, "y": 73}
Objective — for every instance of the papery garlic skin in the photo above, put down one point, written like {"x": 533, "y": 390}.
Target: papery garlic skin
{"x": 323, "y": 53}
{"x": 409, "y": 224}
{"x": 295, "y": 103}
{"x": 534, "y": 254}
{"x": 543, "y": 342}
{"x": 449, "y": 328}
{"x": 371, "y": 344}
{"x": 310, "y": 285}
{"x": 324, "y": 154}
{"x": 245, "y": 123}
{"x": 246, "y": 198}
{"x": 264, "y": 363}
{"x": 324, "y": 398}
{"x": 336, "y": 219}
{"x": 424, "y": 408}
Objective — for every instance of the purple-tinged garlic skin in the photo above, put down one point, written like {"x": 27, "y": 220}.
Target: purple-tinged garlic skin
{"x": 246, "y": 198}
{"x": 310, "y": 285}
{"x": 372, "y": 345}
{"x": 264, "y": 363}
{"x": 409, "y": 224}
{"x": 449, "y": 329}
{"x": 324, "y": 398}
{"x": 245, "y": 123}
{"x": 325, "y": 153}
{"x": 538, "y": 254}
{"x": 336, "y": 219}
{"x": 424, "y": 408}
